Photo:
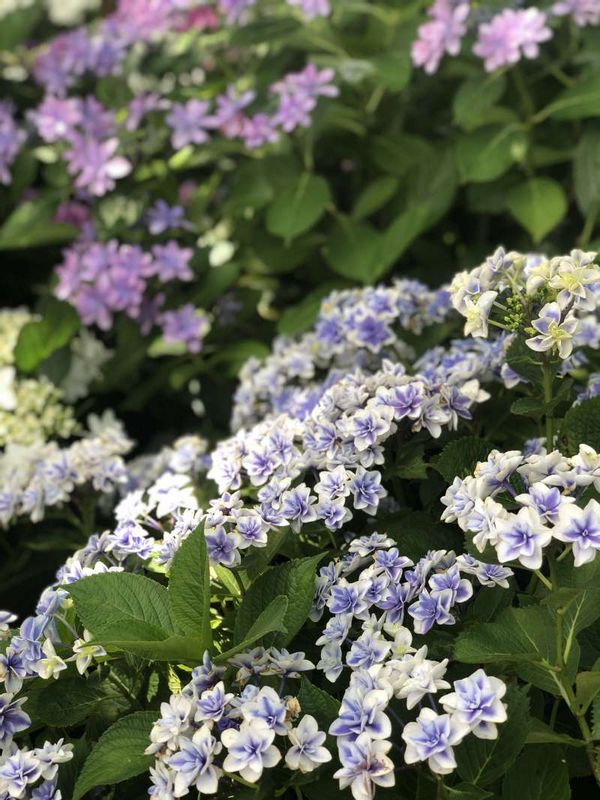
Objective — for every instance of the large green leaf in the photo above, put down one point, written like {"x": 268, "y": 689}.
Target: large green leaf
{"x": 459, "y": 458}
{"x": 353, "y": 250}
{"x": 374, "y": 196}
{"x": 299, "y": 207}
{"x": 482, "y": 761}
{"x": 31, "y": 225}
{"x": 523, "y": 637}
{"x": 586, "y": 171}
{"x": 123, "y": 606}
{"x": 540, "y": 773}
{"x": 295, "y": 580}
{"x": 475, "y": 97}
{"x": 582, "y": 426}
{"x": 320, "y": 704}
{"x": 538, "y": 205}
{"x": 271, "y": 620}
{"x": 578, "y": 101}
{"x": 66, "y": 702}
{"x": 40, "y": 338}
{"x": 118, "y": 754}
{"x": 189, "y": 587}
{"x": 488, "y": 152}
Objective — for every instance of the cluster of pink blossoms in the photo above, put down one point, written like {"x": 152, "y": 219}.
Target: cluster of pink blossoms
{"x": 502, "y": 40}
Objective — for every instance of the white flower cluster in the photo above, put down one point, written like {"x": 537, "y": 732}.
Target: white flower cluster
{"x": 354, "y": 328}
{"x": 37, "y": 476}
{"x": 569, "y": 288}
{"x": 205, "y": 733}
{"x": 520, "y": 504}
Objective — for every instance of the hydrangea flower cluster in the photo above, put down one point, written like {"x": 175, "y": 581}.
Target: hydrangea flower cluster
{"x": 521, "y": 504}
{"x": 206, "y": 733}
{"x": 355, "y": 327}
{"x": 500, "y": 40}
{"x": 11, "y": 139}
{"x": 367, "y": 616}
{"x": 238, "y": 11}
{"x": 41, "y": 475}
{"x": 102, "y": 279}
{"x": 550, "y": 300}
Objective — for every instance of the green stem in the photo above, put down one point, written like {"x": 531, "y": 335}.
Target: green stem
{"x": 240, "y": 582}
{"x": 548, "y": 381}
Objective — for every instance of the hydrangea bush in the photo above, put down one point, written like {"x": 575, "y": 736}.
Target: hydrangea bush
{"x": 199, "y": 173}
{"x": 383, "y": 582}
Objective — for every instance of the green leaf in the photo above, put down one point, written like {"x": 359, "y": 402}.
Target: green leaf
{"x": 459, "y": 458}
{"x": 174, "y": 648}
{"x": 586, "y": 171}
{"x": 540, "y": 733}
{"x": 524, "y": 361}
{"x": 523, "y": 637}
{"x": 251, "y": 189}
{"x": 118, "y": 754}
{"x": 17, "y": 25}
{"x": 321, "y": 705}
{"x": 66, "y": 702}
{"x": 374, "y": 196}
{"x": 482, "y": 761}
{"x": 40, "y": 338}
{"x": 393, "y": 68}
{"x": 353, "y": 250}
{"x": 397, "y": 155}
{"x": 189, "y": 587}
{"x": 294, "y": 579}
{"x": 402, "y": 232}
{"x": 271, "y": 620}
{"x": 581, "y": 425}
{"x": 123, "y": 606}
{"x": 538, "y": 205}
{"x": 578, "y": 101}
{"x": 466, "y": 791}
{"x": 540, "y": 773}
{"x": 475, "y": 97}
{"x": 299, "y": 207}
{"x": 488, "y": 152}
{"x": 264, "y": 30}
{"x": 587, "y": 689}
{"x": 30, "y": 225}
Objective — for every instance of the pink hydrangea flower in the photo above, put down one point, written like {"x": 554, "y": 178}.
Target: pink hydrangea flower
{"x": 510, "y": 35}
{"x": 584, "y": 12}
{"x": 442, "y": 34}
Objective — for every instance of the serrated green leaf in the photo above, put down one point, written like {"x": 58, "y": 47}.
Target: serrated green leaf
{"x": 482, "y": 761}
{"x": 189, "y": 587}
{"x": 459, "y": 458}
{"x": 538, "y": 205}
{"x": 320, "y": 704}
{"x": 587, "y": 688}
{"x": 295, "y": 580}
{"x": 118, "y": 754}
{"x": 271, "y": 620}
{"x": 66, "y": 702}
{"x": 123, "y": 606}
{"x": 540, "y": 733}
{"x": 581, "y": 425}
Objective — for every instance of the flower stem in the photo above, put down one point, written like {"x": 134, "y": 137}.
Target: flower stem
{"x": 548, "y": 381}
